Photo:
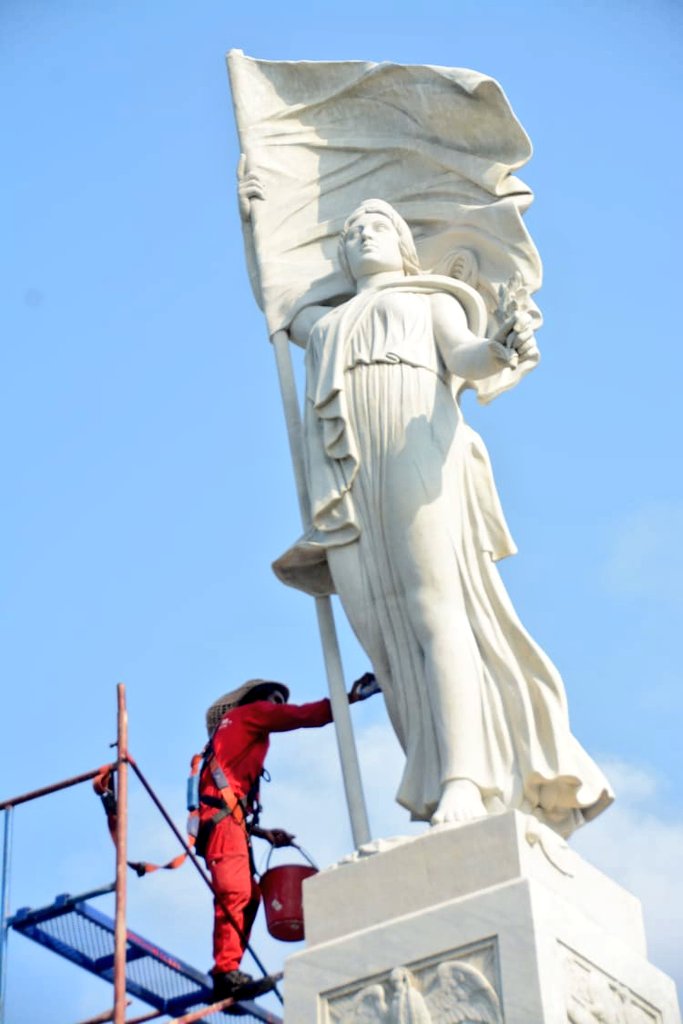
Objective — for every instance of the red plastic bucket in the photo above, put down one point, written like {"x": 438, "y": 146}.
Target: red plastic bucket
{"x": 282, "y": 893}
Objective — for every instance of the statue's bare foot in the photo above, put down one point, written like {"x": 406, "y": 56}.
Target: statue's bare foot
{"x": 460, "y": 801}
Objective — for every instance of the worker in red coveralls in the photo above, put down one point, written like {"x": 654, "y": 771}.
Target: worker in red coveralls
{"x": 239, "y": 725}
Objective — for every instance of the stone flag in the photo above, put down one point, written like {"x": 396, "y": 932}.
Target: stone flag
{"x": 439, "y": 144}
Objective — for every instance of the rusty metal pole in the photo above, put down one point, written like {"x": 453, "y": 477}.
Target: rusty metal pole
{"x": 54, "y": 788}
{"x": 4, "y": 905}
{"x": 121, "y": 858}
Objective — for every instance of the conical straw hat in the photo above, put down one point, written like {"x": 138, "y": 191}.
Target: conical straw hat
{"x": 235, "y": 697}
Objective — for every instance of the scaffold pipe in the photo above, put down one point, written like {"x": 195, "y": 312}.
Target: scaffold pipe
{"x": 121, "y": 858}
{"x": 4, "y": 904}
{"x": 14, "y": 801}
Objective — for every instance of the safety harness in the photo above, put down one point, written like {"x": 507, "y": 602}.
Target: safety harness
{"x": 245, "y": 811}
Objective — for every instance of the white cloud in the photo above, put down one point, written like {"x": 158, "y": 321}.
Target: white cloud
{"x": 633, "y": 783}
{"x": 646, "y": 558}
{"x": 307, "y": 790}
{"x": 642, "y": 851}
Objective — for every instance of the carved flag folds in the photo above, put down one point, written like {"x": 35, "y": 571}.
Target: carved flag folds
{"x": 439, "y": 144}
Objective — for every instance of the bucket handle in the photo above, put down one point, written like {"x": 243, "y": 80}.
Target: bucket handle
{"x": 296, "y": 847}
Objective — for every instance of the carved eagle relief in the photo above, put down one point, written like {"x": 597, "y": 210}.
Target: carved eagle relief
{"x": 457, "y": 994}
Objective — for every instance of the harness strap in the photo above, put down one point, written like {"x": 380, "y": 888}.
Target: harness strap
{"x": 213, "y": 801}
{"x": 232, "y": 802}
{"x": 103, "y": 784}
{"x": 227, "y": 804}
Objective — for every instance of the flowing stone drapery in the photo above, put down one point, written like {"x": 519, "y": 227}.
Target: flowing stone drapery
{"x": 389, "y": 459}
{"x": 404, "y": 503}
{"x": 439, "y": 144}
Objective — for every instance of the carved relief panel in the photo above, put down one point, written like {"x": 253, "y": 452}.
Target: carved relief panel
{"x": 594, "y": 997}
{"x": 458, "y": 986}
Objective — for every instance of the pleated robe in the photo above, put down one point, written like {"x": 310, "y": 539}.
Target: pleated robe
{"x": 408, "y": 525}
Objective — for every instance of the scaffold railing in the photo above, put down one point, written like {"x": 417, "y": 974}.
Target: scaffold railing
{"x": 79, "y": 932}
{"x": 104, "y": 946}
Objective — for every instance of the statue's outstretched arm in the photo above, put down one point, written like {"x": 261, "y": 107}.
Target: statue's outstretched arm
{"x": 474, "y": 358}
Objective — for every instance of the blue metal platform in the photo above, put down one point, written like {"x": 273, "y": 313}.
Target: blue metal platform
{"x": 84, "y": 935}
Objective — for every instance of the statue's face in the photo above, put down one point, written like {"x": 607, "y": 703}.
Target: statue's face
{"x": 372, "y": 245}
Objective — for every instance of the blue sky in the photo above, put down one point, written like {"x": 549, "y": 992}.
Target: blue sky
{"x": 145, "y": 462}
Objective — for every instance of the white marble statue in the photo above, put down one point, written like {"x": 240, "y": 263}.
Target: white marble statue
{"x": 407, "y": 522}
{"x": 406, "y": 525}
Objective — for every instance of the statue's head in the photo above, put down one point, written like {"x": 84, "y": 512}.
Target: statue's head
{"x": 376, "y": 238}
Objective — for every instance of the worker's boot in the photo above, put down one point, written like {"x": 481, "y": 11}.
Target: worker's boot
{"x": 238, "y": 985}
{"x": 225, "y": 983}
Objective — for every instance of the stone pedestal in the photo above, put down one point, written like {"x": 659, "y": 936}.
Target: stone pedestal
{"x": 495, "y": 921}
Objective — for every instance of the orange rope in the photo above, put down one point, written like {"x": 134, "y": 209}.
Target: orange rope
{"x": 103, "y": 784}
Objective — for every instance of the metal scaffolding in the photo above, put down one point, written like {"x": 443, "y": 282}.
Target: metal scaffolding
{"x": 104, "y": 946}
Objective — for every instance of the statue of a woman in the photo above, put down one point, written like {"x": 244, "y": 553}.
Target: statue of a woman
{"x": 407, "y": 523}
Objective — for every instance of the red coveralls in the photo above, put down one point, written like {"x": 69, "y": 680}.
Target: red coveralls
{"x": 240, "y": 745}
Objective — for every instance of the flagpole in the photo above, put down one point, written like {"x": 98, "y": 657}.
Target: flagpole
{"x": 348, "y": 754}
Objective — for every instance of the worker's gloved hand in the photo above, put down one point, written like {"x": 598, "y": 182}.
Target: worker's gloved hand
{"x": 363, "y": 688}
{"x": 278, "y": 837}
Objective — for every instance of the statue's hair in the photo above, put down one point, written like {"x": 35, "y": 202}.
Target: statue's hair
{"x": 411, "y": 264}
